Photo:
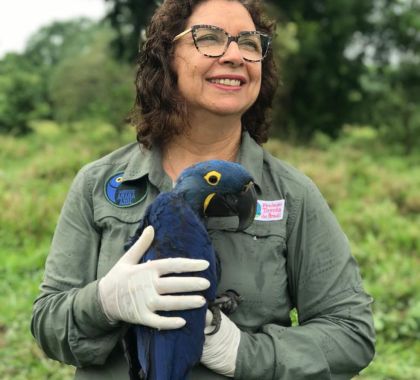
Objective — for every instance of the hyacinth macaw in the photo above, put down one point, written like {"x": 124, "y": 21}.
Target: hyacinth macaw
{"x": 210, "y": 188}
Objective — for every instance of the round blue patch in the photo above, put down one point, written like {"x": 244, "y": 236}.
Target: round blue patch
{"x": 124, "y": 194}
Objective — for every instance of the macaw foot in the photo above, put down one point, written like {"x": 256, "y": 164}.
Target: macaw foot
{"x": 226, "y": 302}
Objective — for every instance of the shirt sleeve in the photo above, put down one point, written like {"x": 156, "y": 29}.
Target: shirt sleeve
{"x": 67, "y": 319}
{"x": 335, "y": 336}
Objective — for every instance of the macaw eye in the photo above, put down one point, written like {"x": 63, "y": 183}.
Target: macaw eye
{"x": 213, "y": 178}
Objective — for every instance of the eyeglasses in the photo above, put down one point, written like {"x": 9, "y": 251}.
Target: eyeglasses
{"x": 213, "y": 42}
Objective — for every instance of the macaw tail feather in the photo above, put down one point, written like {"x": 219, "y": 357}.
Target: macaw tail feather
{"x": 130, "y": 352}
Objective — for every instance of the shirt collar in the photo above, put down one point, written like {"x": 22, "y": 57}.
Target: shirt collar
{"x": 149, "y": 162}
{"x": 145, "y": 162}
{"x": 251, "y": 157}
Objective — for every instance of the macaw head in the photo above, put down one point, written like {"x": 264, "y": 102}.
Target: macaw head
{"x": 219, "y": 188}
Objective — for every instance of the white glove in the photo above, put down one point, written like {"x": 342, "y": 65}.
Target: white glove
{"x": 221, "y": 349}
{"x": 132, "y": 292}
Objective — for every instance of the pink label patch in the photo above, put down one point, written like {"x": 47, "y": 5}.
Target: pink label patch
{"x": 270, "y": 210}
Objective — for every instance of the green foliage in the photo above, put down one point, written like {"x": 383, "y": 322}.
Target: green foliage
{"x": 21, "y": 97}
{"x": 395, "y": 93}
{"x": 24, "y": 77}
{"x": 392, "y": 81}
{"x": 66, "y": 73}
{"x": 60, "y": 39}
{"x": 90, "y": 84}
{"x": 396, "y": 30}
{"x": 35, "y": 174}
{"x": 128, "y": 18}
{"x": 320, "y": 80}
{"x": 373, "y": 192}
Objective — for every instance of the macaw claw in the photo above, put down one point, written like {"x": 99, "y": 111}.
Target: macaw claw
{"x": 226, "y": 302}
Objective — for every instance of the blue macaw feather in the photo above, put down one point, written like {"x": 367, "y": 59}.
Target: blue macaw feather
{"x": 177, "y": 218}
{"x": 187, "y": 238}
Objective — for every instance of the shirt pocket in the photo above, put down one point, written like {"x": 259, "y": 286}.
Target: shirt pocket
{"x": 117, "y": 225}
{"x": 253, "y": 263}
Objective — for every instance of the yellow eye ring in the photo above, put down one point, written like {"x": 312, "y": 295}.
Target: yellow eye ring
{"x": 213, "y": 178}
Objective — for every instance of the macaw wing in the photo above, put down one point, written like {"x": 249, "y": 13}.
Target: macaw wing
{"x": 170, "y": 354}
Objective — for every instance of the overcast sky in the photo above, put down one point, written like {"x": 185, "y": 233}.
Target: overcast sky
{"x": 21, "y": 18}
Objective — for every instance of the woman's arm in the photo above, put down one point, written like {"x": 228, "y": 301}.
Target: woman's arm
{"x": 68, "y": 321}
{"x": 335, "y": 336}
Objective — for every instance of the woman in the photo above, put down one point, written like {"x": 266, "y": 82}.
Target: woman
{"x": 202, "y": 94}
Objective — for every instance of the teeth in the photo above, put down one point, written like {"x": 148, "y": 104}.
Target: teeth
{"x": 227, "y": 82}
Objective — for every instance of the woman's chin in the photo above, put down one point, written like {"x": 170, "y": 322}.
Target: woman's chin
{"x": 228, "y": 110}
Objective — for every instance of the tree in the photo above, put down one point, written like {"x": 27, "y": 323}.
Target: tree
{"x": 25, "y": 78}
{"x": 58, "y": 40}
{"x": 21, "y": 95}
{"x": 52, "y": 44}
{"x": 396, "y": 35}
{"x": 91, "y": 84}
{"x": 68, "y": 73}
{"x": 392, "y": 83}
{"x": 321, "y": 88}
{"x": 128, "y": 18}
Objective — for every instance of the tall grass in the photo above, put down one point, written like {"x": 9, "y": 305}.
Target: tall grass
{"x": 35, "y": 174}
{"x": 373, "y": 192}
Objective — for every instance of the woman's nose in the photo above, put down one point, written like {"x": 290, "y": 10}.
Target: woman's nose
{"x": 233, "y": 55}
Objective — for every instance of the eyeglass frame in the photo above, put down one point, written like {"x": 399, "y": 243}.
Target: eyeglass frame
{"x": 229, "y": 40}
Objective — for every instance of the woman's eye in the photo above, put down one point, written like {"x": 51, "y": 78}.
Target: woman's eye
{"x": 207, "y": 37}
{"x": 250, "y": 44}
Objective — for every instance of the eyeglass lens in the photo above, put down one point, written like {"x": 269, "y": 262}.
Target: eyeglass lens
{"x": 213, "y": 42}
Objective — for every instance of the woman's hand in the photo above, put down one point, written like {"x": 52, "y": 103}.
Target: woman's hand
{"x": 132, "y": 292}
{"x": 221, "y": 349}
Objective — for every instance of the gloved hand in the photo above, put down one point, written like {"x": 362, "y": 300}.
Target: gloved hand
{"x": 221, "y": 349}
{"x": 132, "y": 292}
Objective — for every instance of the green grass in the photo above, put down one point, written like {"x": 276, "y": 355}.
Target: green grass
{"x": 373, "y": 192}
{"x": 35, "y": 174}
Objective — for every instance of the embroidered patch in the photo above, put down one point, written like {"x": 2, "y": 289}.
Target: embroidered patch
{"x": 122, "y": 194}
{"x": 270, "y": 210}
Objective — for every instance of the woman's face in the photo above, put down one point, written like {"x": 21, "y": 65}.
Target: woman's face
{"x": 200, "y": 78}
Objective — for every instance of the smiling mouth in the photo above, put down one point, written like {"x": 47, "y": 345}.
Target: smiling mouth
{"x": 227, "y": 82}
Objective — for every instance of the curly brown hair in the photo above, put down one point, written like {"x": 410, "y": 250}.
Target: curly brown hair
{"x": 160, "y": 111}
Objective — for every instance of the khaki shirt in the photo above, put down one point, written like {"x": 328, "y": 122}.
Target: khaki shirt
{"x": 293, "y": 255}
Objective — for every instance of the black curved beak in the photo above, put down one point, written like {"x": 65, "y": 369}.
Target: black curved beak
{"x": 243, "y": 205}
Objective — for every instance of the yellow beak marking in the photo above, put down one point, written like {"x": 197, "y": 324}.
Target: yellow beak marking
{"x": 207, "y": 201}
